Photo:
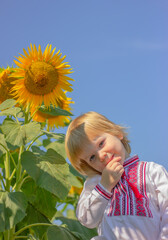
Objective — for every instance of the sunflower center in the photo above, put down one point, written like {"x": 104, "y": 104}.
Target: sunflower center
{"x": 41, "y": 78}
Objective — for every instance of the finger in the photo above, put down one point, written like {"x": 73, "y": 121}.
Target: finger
{"x": 115, "y": 159}
{"x": 113, "y": 165}
{"x": 119, "y": 169}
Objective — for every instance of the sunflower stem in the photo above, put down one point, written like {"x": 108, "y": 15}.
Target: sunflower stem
{"x": 9, "y": 154}
{"x": 17, "y": 120}
{"x": 19, "y": 169}
{"x": 26, "y": 117}
{"x": 9, "y": 234}
{"x": 34, "y": 141}
{"x": 13, "y": 173}
{"x": 64, "y": 208}
{"x": 22, "y": 181}
{"x": 6, "y": 235}
{"x": 32, "y": 225}
{"x": 33, "y": 115}
{"x": 48, "y": 129}
{"x": 7, "y": 172}
{"x": 27, "y": 114}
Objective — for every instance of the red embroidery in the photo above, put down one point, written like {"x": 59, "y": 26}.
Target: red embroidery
{"x": 102, "y": 192}
{"x": 117, "y": 211}
{"x": 129, "y": 196}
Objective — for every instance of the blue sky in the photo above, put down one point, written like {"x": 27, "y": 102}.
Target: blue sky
{"x": 119, "y": 54}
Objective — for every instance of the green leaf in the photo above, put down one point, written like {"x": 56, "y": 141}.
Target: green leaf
{"x": 33, "y": 216}
{"x": 57, "y": 233}
{"x": 75, "y": 173}
{"x": 2, "y": 162}
{"x": 80, "y": 236}
{"x": 12, "y": 209}
{"x": 38, "y": 143}
{"x": 18, "y": 135}
{"x": 59, "y": 147}
{"x": 46, "y": 142}
{"x": 2, "y": 142}
{"x": 70, "y": 213}
{"x": 7, "y": 104}
{"x": 37, "y": 150}
{"x": 49, "y": 171}
{"x": 41, "y": 199}
{"x": 20, "y": 114}
{"x": 57, "y": 136}
{"x": 54, "y": 111}
{"x": 75, "y": 181}
{"x": 76, "y": 226}
{"x": 31, "y": 129}
{"x": 10, "y": 111}
{"x": 31, "y": 237}
{"x": 7, "y": 126}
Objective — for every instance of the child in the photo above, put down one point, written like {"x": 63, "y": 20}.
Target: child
{"x": 123, "y": 197}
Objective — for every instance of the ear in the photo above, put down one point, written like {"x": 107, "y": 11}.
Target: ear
{"x": 120, "y": 136}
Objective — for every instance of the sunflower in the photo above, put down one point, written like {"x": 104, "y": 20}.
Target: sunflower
{"x": 41, "y": 77}
{"x": 75, "y": 190}
{"x": 54, "y": 121}
{"x": 5, "y": 84}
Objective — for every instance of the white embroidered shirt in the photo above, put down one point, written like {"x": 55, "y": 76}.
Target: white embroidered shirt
{"x": 137, "y": 207}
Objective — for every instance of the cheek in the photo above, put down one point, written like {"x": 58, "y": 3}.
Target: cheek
{"x": 121, "y": 147}
{"x": 101, "y": 167}
{"x": 98, "y": 166}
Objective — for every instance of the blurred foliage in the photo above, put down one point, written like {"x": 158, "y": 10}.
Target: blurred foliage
{"x": 38, "y": 188}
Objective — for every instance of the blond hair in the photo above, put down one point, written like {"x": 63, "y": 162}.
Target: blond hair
{"x": 77, "y": 137}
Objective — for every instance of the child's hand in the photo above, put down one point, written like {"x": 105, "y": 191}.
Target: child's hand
{"x": 112, "y": 173}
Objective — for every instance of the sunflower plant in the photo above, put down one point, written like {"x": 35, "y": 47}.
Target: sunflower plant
{"x": 39, "y": 189}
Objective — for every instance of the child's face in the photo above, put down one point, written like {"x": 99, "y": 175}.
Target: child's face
{"x": 102, "y": 149}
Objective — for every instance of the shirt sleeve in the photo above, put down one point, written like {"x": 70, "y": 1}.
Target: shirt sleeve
{"x": 92, "y": 202}
{"x": 159, "y": 176}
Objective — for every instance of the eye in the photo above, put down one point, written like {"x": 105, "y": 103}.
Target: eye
{"x": 101, "y": 143}
{"x": 92, "y": 158}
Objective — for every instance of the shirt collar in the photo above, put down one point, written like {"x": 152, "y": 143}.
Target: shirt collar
{"x": 129, "y": 161}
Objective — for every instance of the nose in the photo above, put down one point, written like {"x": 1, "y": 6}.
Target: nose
{"x": 102, "y": 155}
